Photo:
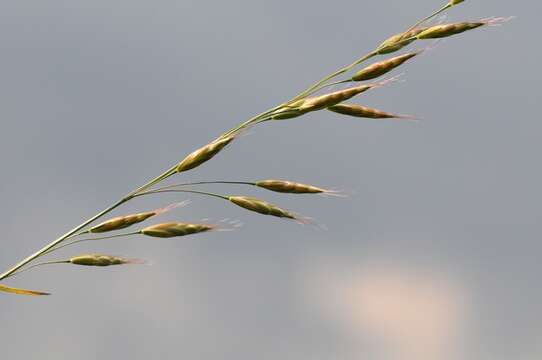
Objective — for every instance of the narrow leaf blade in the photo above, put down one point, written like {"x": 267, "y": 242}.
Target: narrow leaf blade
{"x": 21, "y": 291}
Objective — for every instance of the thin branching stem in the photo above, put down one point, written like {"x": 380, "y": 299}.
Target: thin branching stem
{"x": 427, "y": 18}
{"x": 205, "y": 193}
{"x": 41, "y": 264}
{"x": 91, "y": 239}
{"x": 205, "y": 183}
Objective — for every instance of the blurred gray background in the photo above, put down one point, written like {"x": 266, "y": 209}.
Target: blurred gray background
{"x": 433, "y": 255}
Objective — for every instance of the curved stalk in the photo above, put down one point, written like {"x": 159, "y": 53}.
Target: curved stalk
{"x": 40, "y": 264}
{"x": 205, "y": 193}
{"x": 91, "y": 239}
{"x": 206, "y": 183}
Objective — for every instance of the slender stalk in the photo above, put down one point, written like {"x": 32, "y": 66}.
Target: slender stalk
{"x": 40, "y": 264}
{"x": 205, "y": 193}
{"x": 427, "y": 18}
{"x": 207, "y": 182}
{"x": 91, "y": 239}
{"x": 337, "y": 83}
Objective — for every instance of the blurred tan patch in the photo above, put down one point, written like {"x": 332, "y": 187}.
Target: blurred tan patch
{"x": 406, "y": 312}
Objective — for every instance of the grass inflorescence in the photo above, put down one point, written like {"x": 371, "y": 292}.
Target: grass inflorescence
{"x": 315, "y": 98}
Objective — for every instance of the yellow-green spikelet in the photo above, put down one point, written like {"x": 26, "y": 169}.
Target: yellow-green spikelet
{"x": 203, "y": 154}
{"x": 382, "y": 67}
{"x": 289, "y": 187}
{"x": 99, "y": 260}
{"x": 364, "y": 112}
{"x": 336, "y": 97}
{"x": 446, "y": 30}
{"x": 121, "y": 222}
{"x": 174, "y": 229}
{"x": 260, "y": 206}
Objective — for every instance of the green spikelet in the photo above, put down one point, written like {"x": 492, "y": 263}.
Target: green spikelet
{"x": 174, "y": 229}
{"x": 288, "y": 187}
{"x": 261, "y": 207}
{"x": 121, "y": 222}
{"x": 101, "y": 260}
{"x": 382, "y": 67}
{"x": 446, "y": 30}
{"x": 365, "y": 112}
{"x": 203, "y": 154}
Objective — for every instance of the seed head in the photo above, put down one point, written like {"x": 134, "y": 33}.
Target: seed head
{"x": 203, "y": 154}
{"x": 289, "y": 187}
{"x": 324, "y": 101}
{"x": 261, "y": 207}
{"x": 365, "y": 112}
{"x": 101, "y": 260}
{"x": 175, "y": 229}
{"x": 382, "y": 67}
{"x": 445, "y": 30}
{"x": 334, "y": 98}
{"x": 122, "y": 222}
{"x": 398, "y": 41}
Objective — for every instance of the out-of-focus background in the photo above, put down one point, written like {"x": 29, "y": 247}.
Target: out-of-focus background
{"x": 433, "y": 255}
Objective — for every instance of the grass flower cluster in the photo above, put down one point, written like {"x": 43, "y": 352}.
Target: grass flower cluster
{"x": 316, "y": 97}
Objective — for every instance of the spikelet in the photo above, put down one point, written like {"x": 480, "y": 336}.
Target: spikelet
{"x": 122, "y": 222}
{"x": 17, "y": 291}
{"x": 382, "y": 67}
{"x": 203, "y": 154}
{"x": 101, "y": 260}
{"x": 326, "y": 100}
{"x": 334, "y": 98}
{"x": 289, "y": 187}
{"x": 446, "y": 30}
{"x": 175, "y": 229}
{"x": 455, "y": 2}
{"x": 365, "y": 112}
{"x": 261, "y": 207}
{"x": 398, "y": 41}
